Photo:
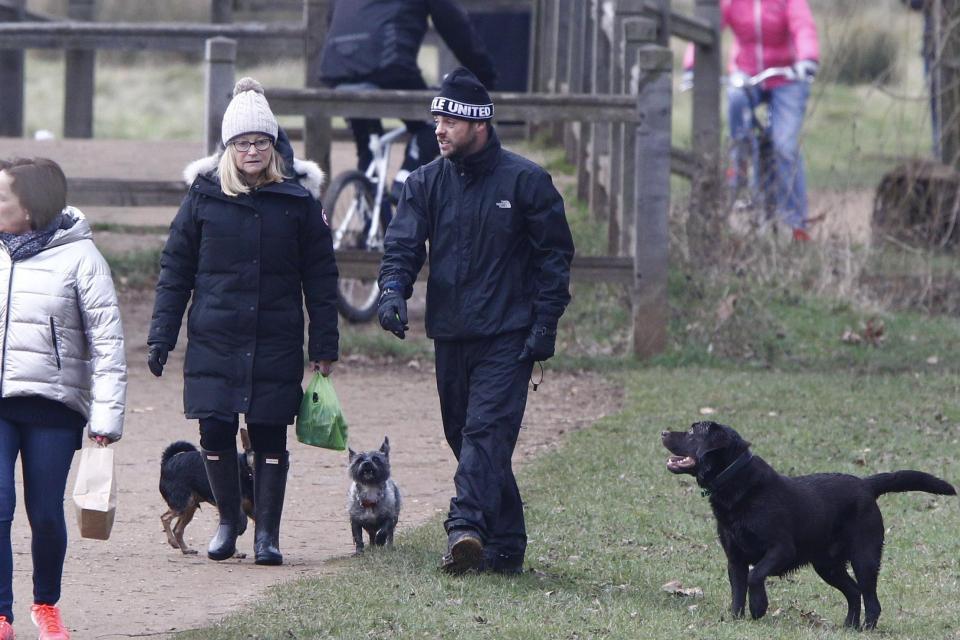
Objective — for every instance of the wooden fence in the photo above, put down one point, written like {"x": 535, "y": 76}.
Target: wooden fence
{"x": 601, "y": 84}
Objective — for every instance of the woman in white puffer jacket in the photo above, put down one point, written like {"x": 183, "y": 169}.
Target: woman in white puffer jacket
{"x": 62, "y": 366}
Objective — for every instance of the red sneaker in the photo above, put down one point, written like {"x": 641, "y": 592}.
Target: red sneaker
{"x": 6, "y": 631}
{"x": 47, "y": 619}
{"x": 800, "y": 235}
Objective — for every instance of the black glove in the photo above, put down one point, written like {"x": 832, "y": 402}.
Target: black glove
{"x": 392, "y": 311}
{"x": 156, "y": 358}
{"x": 540, "y": 343}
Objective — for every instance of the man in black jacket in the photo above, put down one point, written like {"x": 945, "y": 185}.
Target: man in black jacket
{"x": 373, "y": 44}
{"x": 500, "y": 251}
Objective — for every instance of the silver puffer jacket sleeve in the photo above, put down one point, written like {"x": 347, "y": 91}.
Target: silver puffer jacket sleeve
{"x": 100, "y": 311}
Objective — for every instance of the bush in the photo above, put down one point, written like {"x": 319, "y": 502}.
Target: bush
{"x": 863, "y": 53}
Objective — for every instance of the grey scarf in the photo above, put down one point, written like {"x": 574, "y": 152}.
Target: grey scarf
{"x": 26, "y": 245}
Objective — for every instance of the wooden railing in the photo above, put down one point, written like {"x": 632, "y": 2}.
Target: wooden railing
{"x": 601, "y": 85}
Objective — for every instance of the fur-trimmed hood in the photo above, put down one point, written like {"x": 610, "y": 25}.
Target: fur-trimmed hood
{"x": 307, "y": 173}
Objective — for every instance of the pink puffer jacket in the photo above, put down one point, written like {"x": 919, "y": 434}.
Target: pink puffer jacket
{"x": 768, "y": 33}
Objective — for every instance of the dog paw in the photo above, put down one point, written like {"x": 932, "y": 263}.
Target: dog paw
{"x": 189, "y": 552}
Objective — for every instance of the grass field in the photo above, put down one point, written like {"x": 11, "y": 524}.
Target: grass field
{"x": 609, "y": 526}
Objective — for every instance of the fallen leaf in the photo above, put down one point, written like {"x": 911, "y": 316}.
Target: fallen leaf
{"x": 933, "y": 360}
{"x": 850, "y": 337}
{"x": 707, "y": 411}
{"x": 676, "y": 588}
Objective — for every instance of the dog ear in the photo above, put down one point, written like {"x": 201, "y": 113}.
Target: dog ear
{"x": 715, "y": 437}
{"x": 351, "y": 454}
{"x": 385, "y": 447}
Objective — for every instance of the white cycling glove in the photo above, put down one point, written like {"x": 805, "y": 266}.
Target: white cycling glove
{"x": 806, "y": 70}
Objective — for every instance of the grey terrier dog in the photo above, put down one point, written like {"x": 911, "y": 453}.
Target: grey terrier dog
{"x": 374, "y": 499}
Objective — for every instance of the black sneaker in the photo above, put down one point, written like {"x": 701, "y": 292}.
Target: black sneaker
{"x": 464, "y": 552}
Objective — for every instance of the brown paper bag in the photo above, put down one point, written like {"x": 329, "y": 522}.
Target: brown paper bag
{"x": 95, "y": 493}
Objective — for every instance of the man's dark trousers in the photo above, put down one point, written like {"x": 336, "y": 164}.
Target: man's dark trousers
{"x": 483, "y": 394}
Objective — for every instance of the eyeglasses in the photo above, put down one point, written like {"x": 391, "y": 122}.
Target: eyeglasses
{"x": 260, "y": 144}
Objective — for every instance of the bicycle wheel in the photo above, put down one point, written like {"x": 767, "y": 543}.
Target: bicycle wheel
{"x": 349, "y": 204}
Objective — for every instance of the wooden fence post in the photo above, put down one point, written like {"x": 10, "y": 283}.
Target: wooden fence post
{"x": 11, "y": 77}
{"x": 219, "y": 76}
{"x": 599, "y": 151}
{"x": 221, "y": 11}
{"x": 79, "y": 73}
{"x": 577, "y": 12}
{"x": 317, "y": 129}
{"x": 707, "y": 182}
{"x": 652, "y": 204}
{"x": 617, "y": 218}
{"x": 584, "y": 175}
{"x": 636, "y": 32}
{"x": 947, "y": 48}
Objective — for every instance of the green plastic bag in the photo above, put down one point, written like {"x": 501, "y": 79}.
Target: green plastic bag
{"x": 320, "y": 422}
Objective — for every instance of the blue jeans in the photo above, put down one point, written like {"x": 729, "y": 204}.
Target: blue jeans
{"x": 786, "y": 104}
{"x": 46, "y": 452}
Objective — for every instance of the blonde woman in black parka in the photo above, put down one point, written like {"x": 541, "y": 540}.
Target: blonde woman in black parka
{"x": 247, "y": 249}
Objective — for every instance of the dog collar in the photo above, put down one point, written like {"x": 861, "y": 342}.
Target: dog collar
{"x": 728, "y": 473}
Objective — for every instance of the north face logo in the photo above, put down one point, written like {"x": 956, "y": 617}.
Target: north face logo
{"x": 504, "y": 204}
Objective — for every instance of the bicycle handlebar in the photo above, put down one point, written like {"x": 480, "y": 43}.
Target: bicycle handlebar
{"x": 739, "y": 79}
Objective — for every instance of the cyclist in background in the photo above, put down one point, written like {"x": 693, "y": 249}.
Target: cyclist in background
{"x": 373, "y": 44}
{"x": 773, "y": 33}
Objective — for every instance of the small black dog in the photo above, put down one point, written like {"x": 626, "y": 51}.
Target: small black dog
{"x": 184, "y": 487}
{"x": 373, "y": 502}
{"x": 777, "y": 523}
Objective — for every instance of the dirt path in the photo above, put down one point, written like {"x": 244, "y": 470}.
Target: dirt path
{"x": 136, "y": 585}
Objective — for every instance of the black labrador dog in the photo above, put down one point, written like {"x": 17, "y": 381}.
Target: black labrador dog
{"x": 776, "y": 523}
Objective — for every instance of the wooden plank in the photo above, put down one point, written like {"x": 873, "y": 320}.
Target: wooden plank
{"x": 533, "y": 107}
{"x": 366, "y": 264}
{"x": 275, "y": 38}
{"x": 682, "y": 163}
{"x": 471, "y": 6}
{"x": 108, "y": 192}
{"x": 11, "y": 9}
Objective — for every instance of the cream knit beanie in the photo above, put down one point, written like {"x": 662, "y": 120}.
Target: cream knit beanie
{"x": 248, "y": 112}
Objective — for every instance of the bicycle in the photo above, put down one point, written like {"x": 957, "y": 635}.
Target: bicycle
{"x": 753, "y": 176}
{"x": 358, "y": 208}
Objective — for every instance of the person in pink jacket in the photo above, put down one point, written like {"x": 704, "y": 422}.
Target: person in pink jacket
{"x": 773, "y": 33}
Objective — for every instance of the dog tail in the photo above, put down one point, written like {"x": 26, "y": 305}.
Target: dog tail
{"x": 180, "y": 446}
{"x": 900, "y": 481}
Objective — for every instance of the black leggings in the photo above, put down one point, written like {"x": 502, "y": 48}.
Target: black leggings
{"x": 217, "y": 435}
